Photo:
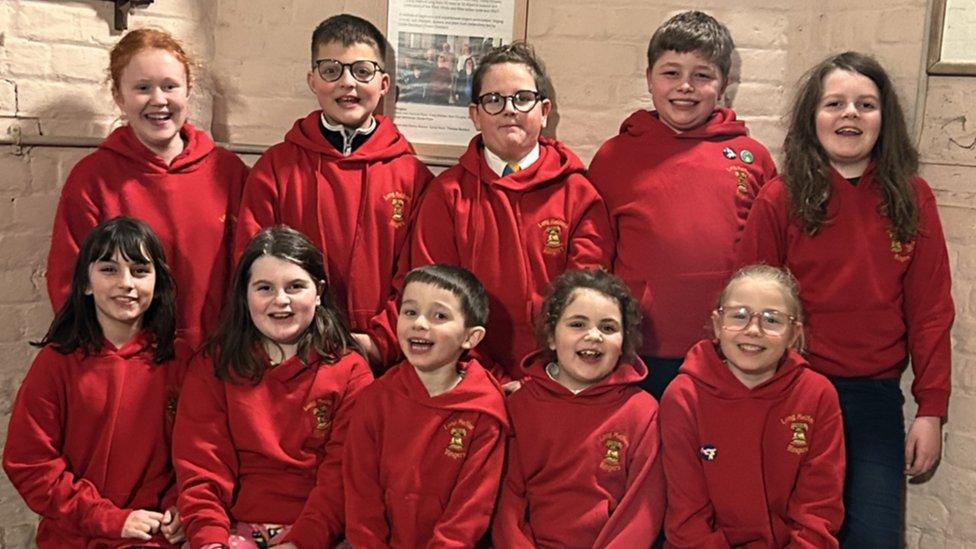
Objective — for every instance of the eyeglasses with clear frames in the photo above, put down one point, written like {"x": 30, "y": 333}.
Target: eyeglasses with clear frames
{"x": 771, "y": 321}
{"x": 522, "y": 101}
{"x": 362, "y": 71}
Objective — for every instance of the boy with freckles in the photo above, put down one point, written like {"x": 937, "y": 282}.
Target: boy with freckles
{"x": 679, "y": 181}
{"x": 346, "y": 178}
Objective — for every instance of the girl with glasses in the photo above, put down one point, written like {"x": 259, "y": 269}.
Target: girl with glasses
{"x": 517, "y": 210}
{"x": 753, "y": 440}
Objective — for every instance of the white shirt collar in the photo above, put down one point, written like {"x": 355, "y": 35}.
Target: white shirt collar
{"x": 348, "y": 134}
{"x": 497, "y": 165}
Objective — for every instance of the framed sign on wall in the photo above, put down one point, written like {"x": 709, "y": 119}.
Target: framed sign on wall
{"x": 437, "y": 46}
{"x": 952, "y": 38}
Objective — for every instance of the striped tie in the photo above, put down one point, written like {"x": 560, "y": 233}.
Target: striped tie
{"x": 511, "y": 167}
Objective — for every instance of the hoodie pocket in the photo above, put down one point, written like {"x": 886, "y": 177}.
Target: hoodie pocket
{"x": 412, "y": 516}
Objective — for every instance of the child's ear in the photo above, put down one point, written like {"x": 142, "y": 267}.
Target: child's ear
{"x": 546, "y": 108}
{"x": 551, "y": 343}
{"x": 474, "y": 337}
{"x": 319, "y": 290}
{"x": 798, "y": 341}
{"x": 473, "y": 115}
{"x": 716, "y": 324}
{"x": 384, "y": 83}
{"x": 647, "y": 75}
{"x": 310, "y": 80}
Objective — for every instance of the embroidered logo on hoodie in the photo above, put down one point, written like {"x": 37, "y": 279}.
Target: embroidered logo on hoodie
{"x": 902, "y": 251}
{"x": 322, "y": 414}
{"x": 799, "y": 424}
{"x": 613, "y": 444}
{"x": 459, "y": 430}
{"x": 552, "y": 230}
{"x": 398, "y": 207}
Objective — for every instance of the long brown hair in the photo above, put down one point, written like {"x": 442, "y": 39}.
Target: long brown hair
{"x": 806, "y": 170}
{"x": 236, "y": 344}
{"x": 76, "y": 324}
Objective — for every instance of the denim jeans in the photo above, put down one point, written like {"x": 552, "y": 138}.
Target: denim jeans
{"x": 660, "y": 372}
{"x": 874, "y": 487}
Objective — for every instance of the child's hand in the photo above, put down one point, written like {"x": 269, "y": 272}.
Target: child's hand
{"x": 172, "y": 527}
{"x": 372, "y": 352}
{"x": 923, "y": 446}
{"x": 512, "y": 386}
{"x": 141, "y": 524}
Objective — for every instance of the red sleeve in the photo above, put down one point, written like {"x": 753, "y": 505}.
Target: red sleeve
{"x": 468, "y": 511}
{"x": 433, "y": 239}
{"x": 76, "y": 216}
{"x": 764, "y": 237}
{"x": 383, "y": 325}
{"x": 816, "y": 507}
{"x": 33, "y": 461}
{"x": 204, "y": 456}
{"x": 366, "y": 524}
{"x": 322, "y": 520}
{"x": 636, "y": 521}
{"x": 690, "y": 515}
{"x": 929, "y": 311}
{"x": 511, "y": 527}
{"x": 259, "y": 203}
{"x": 592, "y": 243}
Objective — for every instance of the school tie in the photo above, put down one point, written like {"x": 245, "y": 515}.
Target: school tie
{"x": 511, "y": 167}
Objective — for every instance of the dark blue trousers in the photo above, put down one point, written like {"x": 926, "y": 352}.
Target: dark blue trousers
{"x": 874, "y": 487}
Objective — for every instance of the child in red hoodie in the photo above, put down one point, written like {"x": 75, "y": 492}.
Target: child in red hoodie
{"x": 517, "y": 209}
{"x": 753, "y": 440}
{"x": 260, "y": 427}
{"x": 162, "y": 170}
{"x": 860, "y": 230}
{"x": 346, "y": 178}
{"x": 679, "y": 182}
{"x": 426, "y": 444}
{"x": 88, "y": 446}
{"x": 584, "y": 467}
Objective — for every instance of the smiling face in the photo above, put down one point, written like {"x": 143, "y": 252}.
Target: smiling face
{"x": 431, "y": 327}
{"x": 588, "y": 339}
{"x": 348, "y": 101}
{"x": 752, "y": 354}
{"x": 510, "y": 134}
{"x": 848, "y": 120}
{"x": 122, "y": 290}
{"x": 684, "y": 87}
{"x": 281, "y": 299}
{"x": 153, "y": 94}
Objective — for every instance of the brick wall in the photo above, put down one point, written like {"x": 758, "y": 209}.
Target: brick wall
{"x": 254, "y": 55}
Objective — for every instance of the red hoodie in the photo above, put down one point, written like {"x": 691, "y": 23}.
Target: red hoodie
{"x": 357, "y": 209}
{"x": 677, "y": 205}
{"x": 89, "y": 441}
{"x": 269, "y": 452}
{"x": 516, "y": 233}
{"x": 584, "y": 470}
{"x": 423, "y": 471}
{"x": 190, "y": 204}
{"x": 870, "y": 300}
{"x": 751, "y": 468}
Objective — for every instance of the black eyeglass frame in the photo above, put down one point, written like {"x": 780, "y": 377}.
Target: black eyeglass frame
{"x": 539, "y": 97}
{"x": 317, "y": 65}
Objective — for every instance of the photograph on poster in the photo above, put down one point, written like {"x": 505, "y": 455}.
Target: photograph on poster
{"x": 438, "y": 69}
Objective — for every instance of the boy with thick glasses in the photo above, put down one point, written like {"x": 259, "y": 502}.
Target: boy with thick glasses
{"x": 517, "y": 210}
{"x": 679, "y": 181}
{"x": 347, "y": 179}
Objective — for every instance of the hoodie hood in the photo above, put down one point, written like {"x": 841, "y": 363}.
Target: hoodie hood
{"x": 385, "y": 143}
{"x": 555, "y": 162}
{"x": 621, "y": 380}
{"x": 722, "y": 124}
{"x": 710, "y": 373}
{"x": 197, "y": 147}
{"x": 476, "y": 392}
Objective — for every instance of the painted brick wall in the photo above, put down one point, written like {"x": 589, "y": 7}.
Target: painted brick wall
{"x": 254, "y": 55}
